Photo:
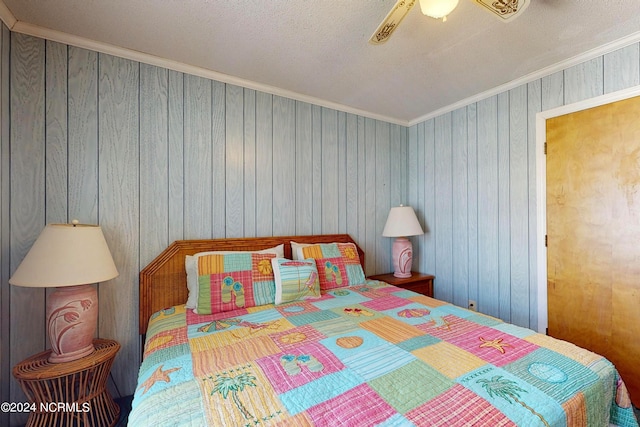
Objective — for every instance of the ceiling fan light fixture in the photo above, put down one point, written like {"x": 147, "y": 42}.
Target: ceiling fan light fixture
{"x": 438, "y": 8}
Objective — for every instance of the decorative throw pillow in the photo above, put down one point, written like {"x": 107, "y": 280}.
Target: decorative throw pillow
{"x": 295, "y": 279}
{"x": 338, "y": 264}
{"x": 191, "y": 266}
{"x": 231, "y": 281}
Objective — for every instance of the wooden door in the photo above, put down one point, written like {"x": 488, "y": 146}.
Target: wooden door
{"x": 593, "y": 229}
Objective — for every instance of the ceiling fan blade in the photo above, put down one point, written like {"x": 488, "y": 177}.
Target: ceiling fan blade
{"x": 392, "y": 20}
{"x": 505, "y": 10}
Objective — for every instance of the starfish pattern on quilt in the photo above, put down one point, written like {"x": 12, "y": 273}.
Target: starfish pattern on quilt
{"x": 158, "y": 375}
{"x": 496, "y": 343}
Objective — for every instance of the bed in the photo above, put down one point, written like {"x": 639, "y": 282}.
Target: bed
{"x": 355, "y": 352}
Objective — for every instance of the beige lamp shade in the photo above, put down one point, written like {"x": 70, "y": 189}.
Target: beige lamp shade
{"x": 66, "y": 255}
{"x": 402, "y": 222}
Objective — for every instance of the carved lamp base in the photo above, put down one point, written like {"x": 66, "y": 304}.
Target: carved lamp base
{"x": 72, "y": 314}
{"x": 402, "y": 256}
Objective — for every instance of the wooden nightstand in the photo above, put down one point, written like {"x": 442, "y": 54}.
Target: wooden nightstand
{"x": 70, "y": 393}
{"x": 418, "y": 282}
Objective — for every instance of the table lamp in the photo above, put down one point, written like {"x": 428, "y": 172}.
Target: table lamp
{"x": 69, "y": 257}
{"x": 402, "y": 222}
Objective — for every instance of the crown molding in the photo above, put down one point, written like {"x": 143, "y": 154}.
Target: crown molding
{"x": 7, "y": 16}
{"x": 72, "y": 40}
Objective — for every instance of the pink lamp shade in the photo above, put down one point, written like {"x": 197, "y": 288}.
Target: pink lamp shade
{"x": 402, "y": 222}
{"x": 69, "y": 257}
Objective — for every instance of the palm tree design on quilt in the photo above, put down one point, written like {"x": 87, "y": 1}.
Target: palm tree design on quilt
{"x": 507, "y": 390}
{"x": 228, "y": 384}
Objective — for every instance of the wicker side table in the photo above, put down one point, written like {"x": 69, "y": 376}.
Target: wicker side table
{"x": 70, "y": 393}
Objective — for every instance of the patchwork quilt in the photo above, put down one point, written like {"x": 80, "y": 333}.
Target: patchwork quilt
{"x": 366, "y": 355}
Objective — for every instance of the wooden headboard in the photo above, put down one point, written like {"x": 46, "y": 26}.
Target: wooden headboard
{"x": 163, "y": 283}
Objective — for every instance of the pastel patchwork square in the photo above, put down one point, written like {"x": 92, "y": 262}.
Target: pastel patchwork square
{"x": 391, "y": 329}
{"x": 292, "y": 338}
{"x": 321, "y": 389}
{"x": 546, "y": 370}
{"x": 513, "y": 396}
{"x": 448, "y": 359}
{"x": 188, "y": 393}
{"x": 311, "y": 317}
{"x": 251, "y": 390}
{"x": 220, "y": 292}
{"x": 493, "y": 346}
{"x": 166, "y": 375}
{"x": 377, "y": 361}
{"x": 415, "y": 391}
{"x": 298, "y": 366}
{"x": 208, "y": 359}
{"x": 468, "y": 410}
{"x": 358, "y": 406}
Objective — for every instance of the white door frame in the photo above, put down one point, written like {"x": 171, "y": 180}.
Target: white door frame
{"x": 541, "y": 184}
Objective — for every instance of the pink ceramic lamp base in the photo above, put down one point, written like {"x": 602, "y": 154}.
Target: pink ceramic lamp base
{"x": 402, "y": 255}
{"x": 72, "y": 313}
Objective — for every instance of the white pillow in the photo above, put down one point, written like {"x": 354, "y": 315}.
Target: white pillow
{"x": 191, "y": 265}
{"x": 296, "y": 246}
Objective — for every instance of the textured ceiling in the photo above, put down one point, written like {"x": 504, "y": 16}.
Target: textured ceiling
{"x": 318, "y": 50}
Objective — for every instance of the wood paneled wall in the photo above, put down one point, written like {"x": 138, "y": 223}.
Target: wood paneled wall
{"x": 472, "y": 178}
{"x": 154, "y": 155}
{"x": 5, "y": 244}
